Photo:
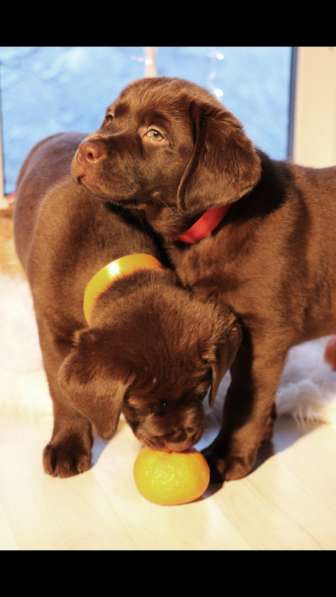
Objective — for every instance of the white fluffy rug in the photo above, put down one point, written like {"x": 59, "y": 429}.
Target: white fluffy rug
{"x": 307, "y": 390}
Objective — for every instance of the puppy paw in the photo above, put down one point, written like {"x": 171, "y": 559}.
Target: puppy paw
{"x": 67, "y": 457}
{"x": 239, "y": 466}
{"x": 228, "y": 468}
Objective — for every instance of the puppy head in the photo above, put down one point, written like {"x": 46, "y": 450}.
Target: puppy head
{"x": 156, "y": 368}
{"x": 194, "y": 347}
{"x": 170, "y": 147}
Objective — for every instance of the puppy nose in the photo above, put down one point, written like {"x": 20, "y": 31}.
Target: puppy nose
{"x": 91, "y": 152}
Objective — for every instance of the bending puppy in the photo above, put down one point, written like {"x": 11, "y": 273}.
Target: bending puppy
{"x": 241, "y": 229}
{"x": 144, "y": 346}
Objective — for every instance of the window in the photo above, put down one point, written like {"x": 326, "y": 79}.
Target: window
{"x": 314, "y": 135}
{"x": 252, "y": 82}
{"x": 51, "y": 89}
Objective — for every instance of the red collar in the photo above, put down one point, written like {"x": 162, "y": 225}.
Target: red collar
{"x": 204, "y": 225}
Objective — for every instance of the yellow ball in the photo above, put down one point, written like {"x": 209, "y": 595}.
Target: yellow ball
{"x": 171, "y": 478}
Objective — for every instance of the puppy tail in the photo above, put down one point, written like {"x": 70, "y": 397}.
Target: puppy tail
{"x": 305, "y": 403}
{"x": 307, "y": 391}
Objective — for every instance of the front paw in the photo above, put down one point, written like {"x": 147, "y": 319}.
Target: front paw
{"x": 240, "y": 465}
{"x": 228, "y": 468}
{"x": 67, "y": 457}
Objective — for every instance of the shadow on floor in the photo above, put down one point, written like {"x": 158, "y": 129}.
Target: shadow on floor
{"x": 286, "y": 433}
{"x": 99, "y": 444}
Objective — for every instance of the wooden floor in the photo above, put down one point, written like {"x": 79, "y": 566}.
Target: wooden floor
{"x": 287, "y": 503}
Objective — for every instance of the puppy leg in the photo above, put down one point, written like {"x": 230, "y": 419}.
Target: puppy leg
{"x": 69, "y": 449}
{"x": 248, "y": 413}
{"x": 270, "y": 424}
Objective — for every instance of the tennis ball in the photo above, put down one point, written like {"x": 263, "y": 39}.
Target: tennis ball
{"x": 171, "y": 478}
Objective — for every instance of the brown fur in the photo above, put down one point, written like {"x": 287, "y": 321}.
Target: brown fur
{"x": 152, "y": 349}
{"x": 272, "y": 259}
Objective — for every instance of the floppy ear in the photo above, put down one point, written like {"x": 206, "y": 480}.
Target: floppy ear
{"x": 94, "y": 384}
{"x": 224, "y": 165}
{"x": 225, "y": 355}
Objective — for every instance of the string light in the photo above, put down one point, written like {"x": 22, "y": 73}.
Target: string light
{"x": 148, "y": 60}
{"x": 215, "y": 57}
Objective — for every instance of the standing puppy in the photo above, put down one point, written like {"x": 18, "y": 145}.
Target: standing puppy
{"x": 242, "y": 229}
{"x": 141, "y": 344}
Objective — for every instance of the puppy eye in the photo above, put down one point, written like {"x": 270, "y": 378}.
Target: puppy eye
{"x": 159, "y": 408}
{"x": 154, "y": 134}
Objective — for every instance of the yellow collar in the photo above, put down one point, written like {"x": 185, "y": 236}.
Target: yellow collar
{"x": 119, "y": 268}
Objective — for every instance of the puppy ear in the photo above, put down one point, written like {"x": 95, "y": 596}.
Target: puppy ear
{"x": 93, "y": 382}
{"x": 224, "y": 165}
{"x": 225, "y": 356}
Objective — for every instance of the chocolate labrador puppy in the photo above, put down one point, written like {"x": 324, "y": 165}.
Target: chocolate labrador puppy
{"x": 143, "y": 346}
{"x": 242, "y": 229}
